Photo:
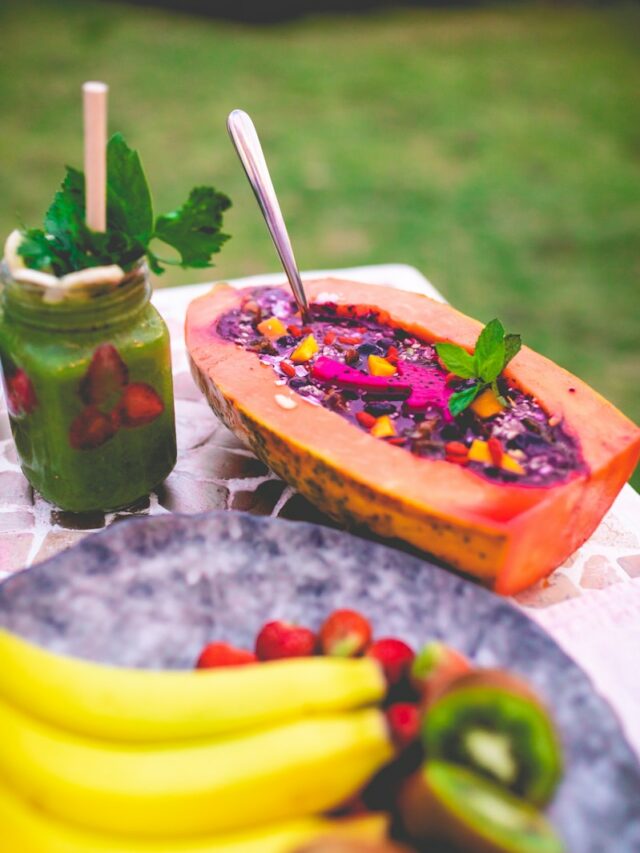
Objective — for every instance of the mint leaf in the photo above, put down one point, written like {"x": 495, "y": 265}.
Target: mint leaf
{"x": 489, "y": 352}
{"x": 66, "y": 244}
{"x": 129, "y": 208}
{"x": 457, "y": 360}
{"x": 512, "y": 346}
{"x": 194, "y": 229}
{"x": 459, "y": 401}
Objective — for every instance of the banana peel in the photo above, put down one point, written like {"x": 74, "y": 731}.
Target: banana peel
{"x": 26, "y": 829}
{"x": 139, "y": 706}
{"x": 296, "y": 769}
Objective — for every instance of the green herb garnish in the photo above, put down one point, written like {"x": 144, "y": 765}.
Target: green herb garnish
{"x": 66, "y": 244}
{"x": 493, "y": 351}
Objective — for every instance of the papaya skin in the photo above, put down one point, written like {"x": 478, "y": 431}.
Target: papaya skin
{"x": 485, "y": 529}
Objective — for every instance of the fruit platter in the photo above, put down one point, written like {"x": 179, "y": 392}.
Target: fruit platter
{"x": 202, "y": 682}
{"x": 287, "y": 656}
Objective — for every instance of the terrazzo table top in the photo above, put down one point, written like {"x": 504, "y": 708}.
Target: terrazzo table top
{"x": 590, "y": 605}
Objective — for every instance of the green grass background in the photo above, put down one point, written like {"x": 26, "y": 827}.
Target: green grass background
{"x": 497, "y": 150}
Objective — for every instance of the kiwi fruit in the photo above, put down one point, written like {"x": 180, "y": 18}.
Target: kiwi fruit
{"x": 446, "y": 802}
{"x": 493, "y": 723}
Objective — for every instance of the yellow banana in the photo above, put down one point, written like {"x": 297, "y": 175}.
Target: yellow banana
{"x": 293, "y": 770}
{"x": 24, "y": 829}
{"x": 147, "y": 705}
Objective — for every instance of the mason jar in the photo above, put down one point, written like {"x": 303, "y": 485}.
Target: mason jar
{"x": 87, "y": 377}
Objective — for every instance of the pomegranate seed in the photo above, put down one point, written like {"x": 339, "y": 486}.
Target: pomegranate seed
{"x": 296, "y": 331}
{"x": 456, "y": 448}
{"x": 287, "y": 368}
{"x": 329, "y": 338}
{"x": 495, "y": 450}
{"x": 398, "y": 440}
{"x": 392, "y": 354}
{"x": 365, "y": 419}
{"x": 349, "y": 339}
{"x": 307, "y": 330}
{"x": 457, "y": 460}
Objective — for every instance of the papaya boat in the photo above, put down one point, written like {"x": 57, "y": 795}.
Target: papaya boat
{"x": 354, "y": 408}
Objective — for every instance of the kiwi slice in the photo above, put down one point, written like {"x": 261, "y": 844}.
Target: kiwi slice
{"x": 493, "y": 723}
{"x": 446, "y": 802}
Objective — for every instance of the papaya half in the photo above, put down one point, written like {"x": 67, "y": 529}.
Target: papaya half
{"x": 507, "y": 534}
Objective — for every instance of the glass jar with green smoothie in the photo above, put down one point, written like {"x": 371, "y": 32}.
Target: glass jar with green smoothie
{"x": 85, "y": 356}
{"x": 88, "y": 385}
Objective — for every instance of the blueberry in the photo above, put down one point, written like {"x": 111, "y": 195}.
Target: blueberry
{"x": 370, "y": 349}
{"x": 298, "y": 382}
{"x": 286, "y": 341}
{"x": 378, "y": 409}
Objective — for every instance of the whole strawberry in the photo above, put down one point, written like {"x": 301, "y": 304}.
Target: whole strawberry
{"x": 345, "y": 634}
{"x": 279, "y": 639}
{"x": 395, "y": 657}
{"x": 403, "y": 719}
{"x": 222, "y": 654}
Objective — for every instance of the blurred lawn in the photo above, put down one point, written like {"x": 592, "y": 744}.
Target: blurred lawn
{"x": 496, "y": 150}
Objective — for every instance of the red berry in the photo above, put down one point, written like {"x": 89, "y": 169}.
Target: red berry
{"x": 283, "y": 640}
{"x": 91, "y": 429}
{"x": 345, "y": 633}
{"x": 365, "y": 419}
{"x": 105, "y": 378}
{"x": 395, "y": 657}
{"x": 21, "y": 395}
{"x": 495, "y": 450}
{"x": 287, "y": 368}
{"x": 330, "y": 337}
{"x": 139, "y": 405}
{"x": 222, "y": 654}
{"x": 404, "y": 722}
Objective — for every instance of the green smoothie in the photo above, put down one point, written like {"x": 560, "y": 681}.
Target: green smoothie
{"x": 89, "y": 391}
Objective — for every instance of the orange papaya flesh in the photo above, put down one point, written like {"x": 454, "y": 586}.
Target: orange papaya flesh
{"x": 487, "y": 529}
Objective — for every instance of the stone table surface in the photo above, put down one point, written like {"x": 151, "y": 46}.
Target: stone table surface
{"x": 590, "y": 604}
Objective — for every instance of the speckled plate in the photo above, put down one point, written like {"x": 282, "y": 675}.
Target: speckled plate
{"x": 152, "y": 592}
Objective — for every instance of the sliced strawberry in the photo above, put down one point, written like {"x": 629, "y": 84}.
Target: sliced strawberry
{"x": 345, "y": 633}
{"x": 91, "y": 429}
{"x": 21, "y": 395}
{"x": 139, "y": 405}
{"x": 283, "y": 640}
{"x": 105, "y": 378}
{"x": 215, "y": 655}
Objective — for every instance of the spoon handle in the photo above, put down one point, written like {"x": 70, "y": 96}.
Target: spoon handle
{"x": 245, "y": 139}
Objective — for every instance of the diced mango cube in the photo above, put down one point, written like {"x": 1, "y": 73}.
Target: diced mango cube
{"x": 479, "y": 451}
{"x": 383, "y": 427}
{"x": 379, "y": 366}
{"x": 272, "y": 328}
{"x": 510, "y": 464}
{"x": 486, "y": 405}
{"x": 305, "y": 350}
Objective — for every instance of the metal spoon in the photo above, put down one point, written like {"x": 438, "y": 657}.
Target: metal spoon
{"x": 245, "y": 139}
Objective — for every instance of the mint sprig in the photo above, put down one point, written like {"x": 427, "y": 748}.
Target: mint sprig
{"x": 492, "y": 352}
{"x": 65, "y": 244}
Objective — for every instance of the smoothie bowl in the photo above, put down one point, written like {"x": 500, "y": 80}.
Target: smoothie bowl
{"x": 372, "y": 412}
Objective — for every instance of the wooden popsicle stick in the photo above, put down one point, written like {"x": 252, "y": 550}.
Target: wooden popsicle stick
{"x": 95, "y": 154}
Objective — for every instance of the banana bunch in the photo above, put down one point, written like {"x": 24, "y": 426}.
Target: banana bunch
{"x": 95, "y": 759}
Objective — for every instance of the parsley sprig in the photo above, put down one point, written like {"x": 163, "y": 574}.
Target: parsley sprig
{"x": 66, "y": 244}
{"x": 493, "y": 351}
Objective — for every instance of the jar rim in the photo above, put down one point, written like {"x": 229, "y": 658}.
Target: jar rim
{"x": 89, "y": 301}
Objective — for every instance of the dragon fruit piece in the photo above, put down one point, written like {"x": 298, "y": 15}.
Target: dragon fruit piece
{"x": 334, "y": 372}
{"x": 428, "y": 388}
